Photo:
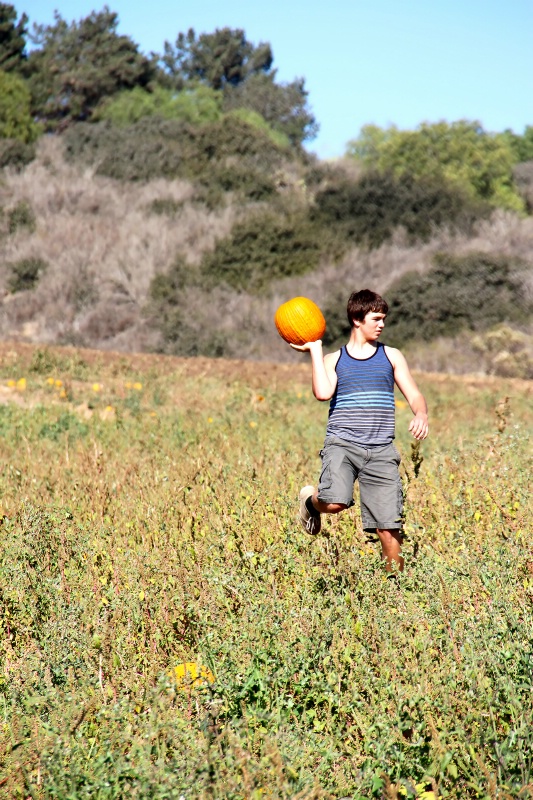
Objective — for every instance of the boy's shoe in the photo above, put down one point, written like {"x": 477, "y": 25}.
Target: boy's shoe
{"x": 310, "y": 523}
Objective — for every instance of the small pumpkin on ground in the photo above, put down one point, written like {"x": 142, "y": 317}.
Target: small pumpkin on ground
{"x": 299, "y": 321}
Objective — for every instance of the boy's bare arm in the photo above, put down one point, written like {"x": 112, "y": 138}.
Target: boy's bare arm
{"x": 419, "y": 426}
{"x": 324, "y": 380}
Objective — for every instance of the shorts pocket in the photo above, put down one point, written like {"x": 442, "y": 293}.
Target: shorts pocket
{"x": 325, "y": 481}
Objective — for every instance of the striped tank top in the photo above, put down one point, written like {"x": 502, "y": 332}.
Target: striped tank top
{"x": 362, "y": 408}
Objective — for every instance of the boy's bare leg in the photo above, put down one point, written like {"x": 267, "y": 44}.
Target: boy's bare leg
{"x": 391, "y": 549}
{"x": 391, "y": 540}
{"x": 327, "y": 508}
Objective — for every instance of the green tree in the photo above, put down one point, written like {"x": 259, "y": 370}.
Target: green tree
{"x": 461, "y": 153}
{"x": 222, "y": 58}
{"x": 77, "y": 64}
{"x": 226, "y": 61}
{"x": 15, "y": 118}
{"x": 196, "y": 106}
{"x": 12, "y": 38}
{"x": 522, "y": 146}
{"x": 283, "y": 105}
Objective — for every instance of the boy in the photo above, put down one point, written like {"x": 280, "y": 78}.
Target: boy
{"x": 359, "y": 381}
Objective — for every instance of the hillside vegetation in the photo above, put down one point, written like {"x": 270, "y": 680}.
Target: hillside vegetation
{"x": 148, "y": 520}
{"x": 168, "y": 203}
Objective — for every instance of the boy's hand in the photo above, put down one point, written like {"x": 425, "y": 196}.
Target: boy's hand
{"x": 307, "y": 346}
{"x": 419, "y": 426}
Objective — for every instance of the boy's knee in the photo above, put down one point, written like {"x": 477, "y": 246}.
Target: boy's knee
{"x": 331, "y": 508}
{"x": 387, "y": 535}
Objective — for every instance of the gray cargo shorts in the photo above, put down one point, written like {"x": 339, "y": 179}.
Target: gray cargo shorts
{"x": 380, "y": 485}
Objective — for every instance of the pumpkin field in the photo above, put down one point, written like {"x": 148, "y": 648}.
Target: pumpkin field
{"x": 170, "y": 632}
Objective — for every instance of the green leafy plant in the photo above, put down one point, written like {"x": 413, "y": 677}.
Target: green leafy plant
{"x": 21, "y": 215}
{"x": 15, "y": 154}
{"x": 25, "y": 274}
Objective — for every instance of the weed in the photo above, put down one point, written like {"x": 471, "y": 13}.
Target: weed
{"x": 165, "y": 534}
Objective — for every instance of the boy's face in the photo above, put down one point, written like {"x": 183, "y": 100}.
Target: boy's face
{"x": 372, "y": 325}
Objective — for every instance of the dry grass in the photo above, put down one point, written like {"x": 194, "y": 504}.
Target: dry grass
{"x": 103, "y": 248}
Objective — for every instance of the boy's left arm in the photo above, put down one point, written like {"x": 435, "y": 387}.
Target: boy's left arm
{"x": 419, "y": 426}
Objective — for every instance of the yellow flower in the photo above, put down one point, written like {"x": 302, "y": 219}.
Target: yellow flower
{"x": 400, "y": 404}
{"x": 253, "y": 424}
{"x": 138, "y": 386}
{"x": 21, "y": 384}
{"x": 11, "y": 384}
{"x": 50, "y": 381}
{"x": 210, "y": 420}
{"x": 128, "y": 385}
{"x": 58, "y": 383}
{"x": 96, "y": 387}
{"x": 191, "y": 675}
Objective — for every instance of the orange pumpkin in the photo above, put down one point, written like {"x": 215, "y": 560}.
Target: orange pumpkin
{"x": 299, "y": 321}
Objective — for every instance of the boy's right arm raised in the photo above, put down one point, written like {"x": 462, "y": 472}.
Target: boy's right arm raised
{"x": 324, "y": 379}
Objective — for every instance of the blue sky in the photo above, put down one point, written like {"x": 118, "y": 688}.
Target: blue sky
{"x": 364, "y": 61}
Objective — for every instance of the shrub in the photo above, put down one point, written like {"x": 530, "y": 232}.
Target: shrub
{"x": 230, "y": 151}
{"x": 264, "y": 247}
{"x": 21, "y": 216}
{"x": 197, "y": 106}
{"x": 256, "y": 120}
{"x": 368, "y": 211}
{"x": 165, "y": 206}
{"x": 151, "y": 148}
{"x": 475, "y": 292}
{"x": 16, "y": 121}
{"x": 509, "y": 352}
{"x": 15, "y": 154}
{"x": 185, "y": 321}
{"x": 233, "y": 137}
{"x": 251, "y": 184}
{"x": 523, "y": 178}
{"x": 25, "y": 274}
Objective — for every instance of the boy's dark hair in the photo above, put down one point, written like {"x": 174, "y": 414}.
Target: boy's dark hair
{"x": 362, "y": 302}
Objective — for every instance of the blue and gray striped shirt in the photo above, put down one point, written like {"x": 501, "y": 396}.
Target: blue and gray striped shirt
{"x": 362, "y": 408}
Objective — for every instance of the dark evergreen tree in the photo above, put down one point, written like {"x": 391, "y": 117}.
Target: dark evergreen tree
{"x": 77, "y": 64}
{"x": 12, "y": 38}
{"x": 283, "y": 105}
{"x": 226, "y": 61}
{"x": 217, "y": 59}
